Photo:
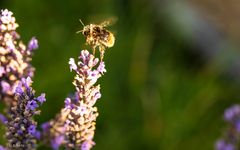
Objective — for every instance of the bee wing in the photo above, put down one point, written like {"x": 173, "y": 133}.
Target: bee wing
{"x": 105, "y": 23}
{"x": 109, "y": 22}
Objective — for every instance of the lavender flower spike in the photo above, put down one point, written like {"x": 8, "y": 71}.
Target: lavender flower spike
{"x": 21, "y": 128}
{"x": 81, "y": 119}
{"x": 74, "y": 127}
{"x": 15, "y": 57}
{"x": 231, "y": 137}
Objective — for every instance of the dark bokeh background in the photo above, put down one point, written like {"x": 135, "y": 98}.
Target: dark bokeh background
{"x": 172, "y": 72}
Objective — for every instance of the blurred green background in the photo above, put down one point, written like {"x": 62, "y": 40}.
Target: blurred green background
{"x": 173, "y": 71}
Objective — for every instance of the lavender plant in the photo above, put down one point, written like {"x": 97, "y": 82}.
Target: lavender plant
{"x": 74, "y": 127}
{"x": 15, "y": 90}
{"x": 80, "y": 122}
{"x": 15, "y": 57}
{"x": 231, "y": 138}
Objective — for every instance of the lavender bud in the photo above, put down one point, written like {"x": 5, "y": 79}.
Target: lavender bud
{"x": 41, "y": 98}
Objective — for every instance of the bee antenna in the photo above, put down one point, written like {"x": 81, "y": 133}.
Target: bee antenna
{"x": 79, "y": 31}
{"x": 81, "y": 22}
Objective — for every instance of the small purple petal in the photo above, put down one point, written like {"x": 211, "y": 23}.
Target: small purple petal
{"x": 19, "y": 89}
{"x": 223, "y": 145}
{"x": 93, "y": 74}
{"x": 33, "y": 44}
{"x": 41, "y": 98}
{"x": 3, "y": 119}
{"x": 37, "y": 135}
{"x": 30, "y": 73}
{"x": 228, "y": 115}
{"x": 72, "y": 64}
{"x": 27, "y": 82}
{"x": 2, "y": 148}
{"x": 32, "y": 105}
{"x": 10, "y": 45}
{"x": 32, "y": 129}
{"x": 68, "y": 103}
{"x": 56, "y": 142}
{"x": 84, "y": 55}
{"x": 86, "y": 145}
{"x": 237, "y": 125}
{"x": 98, "y": 95}
{"x": 45, "y": 126}
{"x": 5, "y": 87}
{"x": 101, "y": 68}
{"x": 95, "y": 61}
{"x": 220, "y": 144}
{"x": 76, "y": 96}
{"x": 82, "y": 109}
{"x": 232, "y": 112}
{"x": 20, "y": 132}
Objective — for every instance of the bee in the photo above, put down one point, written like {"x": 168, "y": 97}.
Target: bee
{"x": 97, "y": 36}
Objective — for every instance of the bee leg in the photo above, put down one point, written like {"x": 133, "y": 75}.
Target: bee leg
{"x": 102, "y": 50}
{"x": 94, "y": 49}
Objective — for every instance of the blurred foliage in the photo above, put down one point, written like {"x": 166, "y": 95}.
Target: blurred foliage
{"x": 161, "y": 90}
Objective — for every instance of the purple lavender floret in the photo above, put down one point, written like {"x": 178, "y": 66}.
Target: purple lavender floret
{"x": 2, "y": 148}
{"x": 32, "y": 105}
{"x": 223, "y": 145}
{"x": 3, "y": 119}
{"x": 21, "y": 128}
{"x": 232, "y": 113}
{"x": 45, "y": 126}
{"x": 19, "y": 88}
{"x": 41, "y": 98}
{"x": 56, "y": 142}
{"x": 33, "y": 44}
{"x": 32, "y": 129}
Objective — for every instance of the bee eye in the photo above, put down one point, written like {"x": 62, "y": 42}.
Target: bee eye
{"x": 85, "y": 33}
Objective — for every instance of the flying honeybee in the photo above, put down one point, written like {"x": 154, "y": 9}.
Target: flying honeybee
{"x": 97, "y": 36}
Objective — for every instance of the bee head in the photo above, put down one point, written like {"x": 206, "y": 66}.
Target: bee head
{"x": 86, "y": 31}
